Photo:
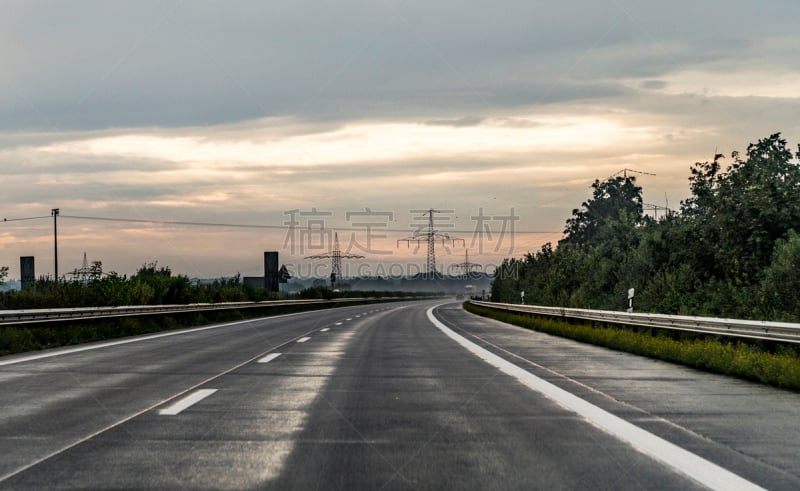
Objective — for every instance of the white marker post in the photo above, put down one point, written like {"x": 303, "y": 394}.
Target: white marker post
{"x": 522, "y": 297}
{"x": 630, "y": 300}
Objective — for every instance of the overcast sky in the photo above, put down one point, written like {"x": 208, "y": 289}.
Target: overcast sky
{"x": 239, "y": 112}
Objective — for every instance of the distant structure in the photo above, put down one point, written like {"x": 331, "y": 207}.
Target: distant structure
{"x": 655, "y": 209}
{"x": 82, "y": 274}
{"x": 624, "y": 173}
{"x": 466, "y": 267}
{"x": 27, "y": 272}
{"x": 55, "y": 212}
{"x": 272, "y": 277}
{"x": 271, "y": 272}
{"x": 430, "y": 237}
{"x": 284, "y": 275}
{"x": 254, "y": 281}
{"x": 336, "y": 256}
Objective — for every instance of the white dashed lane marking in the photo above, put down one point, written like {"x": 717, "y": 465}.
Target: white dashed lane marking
{"x": 186, "y": 402}
{"x": 269, "y": 358}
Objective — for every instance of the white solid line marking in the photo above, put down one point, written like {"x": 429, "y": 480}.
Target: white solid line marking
{"x": 303, "y": 340}
{"x": 186, "y": 402}
{"x": 683, "y": 461}
{"x": 325, "y": 329}
{"x": 269, "y": 358}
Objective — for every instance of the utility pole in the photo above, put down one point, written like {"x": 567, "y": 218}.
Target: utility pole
{"x": 55, "y": 212}
{"x": 431, "y": 236}
{"x": 336, "y": 256}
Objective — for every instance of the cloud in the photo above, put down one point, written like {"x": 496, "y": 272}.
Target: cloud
{"x": 187, "y": 64}
{"x": 459, "y": 123}
{"x": 780, "y": 83}
{"x": 653, "y": 84}
{"x": 358, "y": 142}
{"x": 201, "y": 111}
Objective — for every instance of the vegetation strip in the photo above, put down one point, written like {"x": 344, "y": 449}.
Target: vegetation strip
{"x": 732, "y": 249}
{"x": 23, "y": 338}
{"x": 739, "y": 359}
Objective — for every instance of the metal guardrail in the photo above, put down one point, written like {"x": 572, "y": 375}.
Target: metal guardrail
{"x": 42, "y": 316}
{"x": 764, "y": 330}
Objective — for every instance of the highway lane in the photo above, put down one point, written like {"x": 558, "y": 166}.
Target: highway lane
{"x": 410, "y": 409}
{"x": 749, "y": 428}
{"x": 51, "y": 403}
{"x": 372, "y": 398}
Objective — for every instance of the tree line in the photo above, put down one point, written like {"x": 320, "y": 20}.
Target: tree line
{"x": 150, "y": 285}
{"x": 156, "y": 285}
{"x": 731, "y": 250}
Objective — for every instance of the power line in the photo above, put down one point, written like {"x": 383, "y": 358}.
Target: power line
{"x": 23, "y": 219}
{"x": 176, "y": 222}
{"x": 373, "y": 228}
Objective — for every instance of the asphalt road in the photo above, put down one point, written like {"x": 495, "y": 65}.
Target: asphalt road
{"x": 383, "y": 397}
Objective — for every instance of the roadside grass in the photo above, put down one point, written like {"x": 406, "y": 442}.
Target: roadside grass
{"x": 778, "y": 366}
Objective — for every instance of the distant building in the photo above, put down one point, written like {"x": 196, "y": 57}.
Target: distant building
{"x": 273, "y": 275}
{"x": 254, "y": 281}
{"x": 271, "y": 271}
{"x": 27, "y": 272}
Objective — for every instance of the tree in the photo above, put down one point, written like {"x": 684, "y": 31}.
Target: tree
{"x": 96, "y": 270}
{"x": 780, "y": 287}
{"x": 616, "y": 198}
{"x": 165, "y": 288}
{"x": 113, "y": 289}
{"x": 506, "y": 283}
{"x": 740, "y": 213}
{"x": 733, "y": 250}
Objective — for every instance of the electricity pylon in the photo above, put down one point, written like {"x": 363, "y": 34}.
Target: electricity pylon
{"x": 431, "y": 237}
{"x": 336, "y": 256}
{"x": 81, "y": 274}
{"x": 467, "y": 266}
{"x": 655, "y": 209}
{"x": 624, "y": 173}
